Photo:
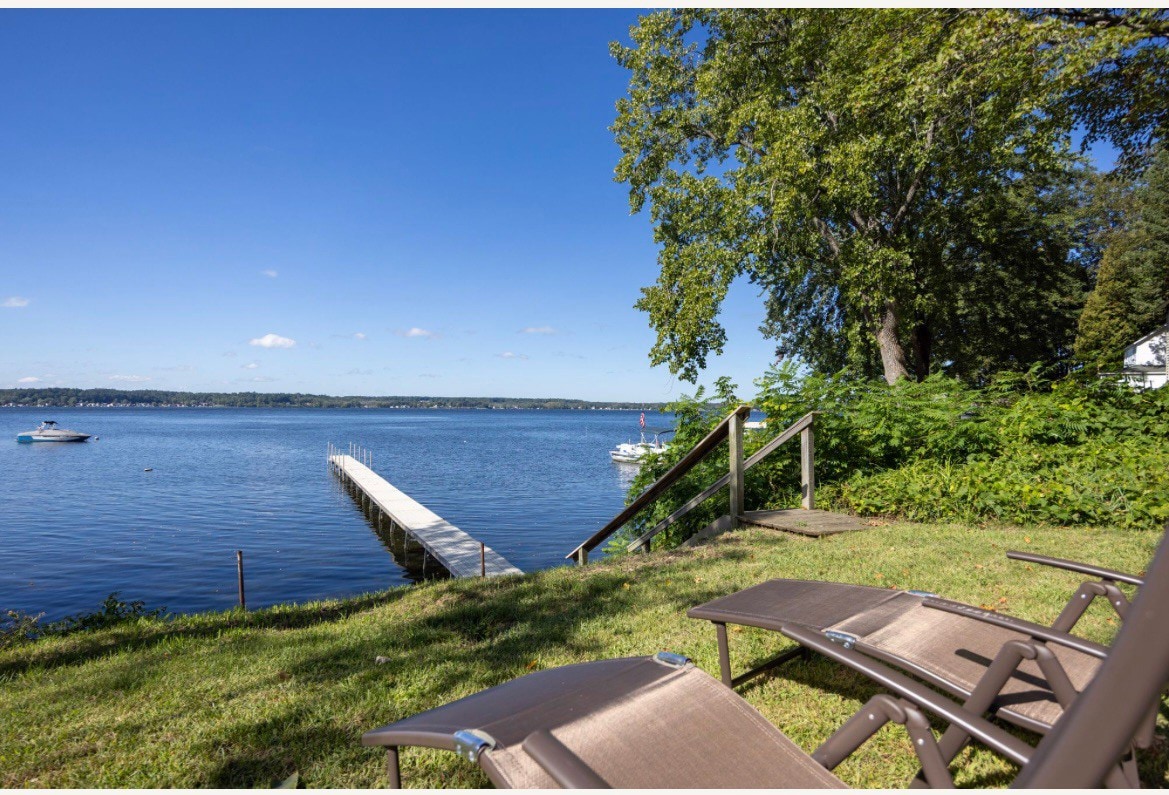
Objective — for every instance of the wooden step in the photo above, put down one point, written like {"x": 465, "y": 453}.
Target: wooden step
{"x": 809, "y": 523}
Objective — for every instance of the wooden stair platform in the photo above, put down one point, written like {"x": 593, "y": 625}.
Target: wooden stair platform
{"x": 805, "y": 522}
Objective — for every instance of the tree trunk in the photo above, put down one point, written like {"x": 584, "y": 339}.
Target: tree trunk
{"x": 922, "y": 342}
{"x": 892, "y": 355}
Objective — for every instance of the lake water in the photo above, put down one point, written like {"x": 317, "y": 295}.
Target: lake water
{"x": 79, "y": 521}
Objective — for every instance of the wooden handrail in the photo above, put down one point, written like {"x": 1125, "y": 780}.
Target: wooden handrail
{"x": 769, "y": 448}
{"x": 642, "y": 542}
{"x": 675, "y": 473}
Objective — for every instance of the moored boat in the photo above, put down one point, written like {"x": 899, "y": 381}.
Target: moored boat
{"x": 48, "y": 431}
{"x": 634, "y": 452}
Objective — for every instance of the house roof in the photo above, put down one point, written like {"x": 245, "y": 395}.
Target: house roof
{"x": 1150, "y": 335}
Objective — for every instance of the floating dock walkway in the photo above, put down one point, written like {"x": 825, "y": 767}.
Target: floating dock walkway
{"x": 459, "y": 553}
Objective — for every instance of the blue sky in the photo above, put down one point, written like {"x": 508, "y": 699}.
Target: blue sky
{"x": 362, "y": 202}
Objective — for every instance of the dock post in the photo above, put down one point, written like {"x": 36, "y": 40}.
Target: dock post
{"x": 239, "y": 566}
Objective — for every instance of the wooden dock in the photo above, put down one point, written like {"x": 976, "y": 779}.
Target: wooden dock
{"x": 459, "y": 553}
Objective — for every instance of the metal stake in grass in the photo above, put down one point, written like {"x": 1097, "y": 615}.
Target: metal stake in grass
{"x": 239, "y": 565}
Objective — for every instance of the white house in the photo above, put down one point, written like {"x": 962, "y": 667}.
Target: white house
{"x": 1146, "y": 361}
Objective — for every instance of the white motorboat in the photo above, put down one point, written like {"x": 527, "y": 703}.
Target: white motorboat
{"x": 48, "y": 431}
{"x": 634, "y": 452}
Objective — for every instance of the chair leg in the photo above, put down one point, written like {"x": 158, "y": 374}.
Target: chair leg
{"x": 878, "y": 711}
{"x": 393, "y": 771}
{"x": 724, "y": 659}
{"x": 724, "y": 653}
{"x": 982, "y": 698}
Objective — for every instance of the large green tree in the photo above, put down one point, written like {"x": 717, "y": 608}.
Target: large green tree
{"x": 1131, "y": 296}
{"x": 886, "y": 177}
{"x": 1122, "y": 66}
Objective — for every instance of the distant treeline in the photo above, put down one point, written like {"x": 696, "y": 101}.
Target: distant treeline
{"x": 53, "y": 397}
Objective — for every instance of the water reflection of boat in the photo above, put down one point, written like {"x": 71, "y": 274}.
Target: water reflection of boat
{"x": 48, "y": 431}
{"x": 633, "y": 452}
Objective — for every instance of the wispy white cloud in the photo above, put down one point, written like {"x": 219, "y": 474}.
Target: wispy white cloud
{"x": 416, "y": 332}
{"x": 230, "y": 354}
{"x": 269, "y": 272}
{"x": 259, "y": 379}
{"x": 359, "y": 335}
{"x": 250, "y": 365}
{"x": 28, "y": 379}
{"x": 131, "y": 379}
{"x": 510, "y": 355}
{"x": 15, "y": 302}
{"x": 546, "y": 330}
{"x": 429, "y": 375}
{"x": 272, "y": 341}
{"x": 178, "y": 368}
{"x": 356, "y": 371}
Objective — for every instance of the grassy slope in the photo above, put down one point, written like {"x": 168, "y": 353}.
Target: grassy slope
{"x": 245, "y": 700}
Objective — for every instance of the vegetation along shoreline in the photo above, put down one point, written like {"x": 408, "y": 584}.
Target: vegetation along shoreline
{"x": 144, "y": 398}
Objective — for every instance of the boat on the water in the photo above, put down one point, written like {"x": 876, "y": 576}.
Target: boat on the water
{"x": 48, "y": 431}
{"x": 634, "y": 452}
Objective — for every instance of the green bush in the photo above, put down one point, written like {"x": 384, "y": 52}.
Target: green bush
{"x": 1021, "y": 449}
{"x": 17, "y": 627}
{"x": 113, "y": 611}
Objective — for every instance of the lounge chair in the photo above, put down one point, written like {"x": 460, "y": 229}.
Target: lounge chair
{"x": 1026, "y": 672}
{"x": 661, "y": 722}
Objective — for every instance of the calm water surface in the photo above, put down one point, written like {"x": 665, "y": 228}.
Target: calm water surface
{"x": 78, "y": 521}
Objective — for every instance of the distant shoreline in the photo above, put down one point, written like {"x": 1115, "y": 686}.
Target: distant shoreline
{"x": 54, "y": 398}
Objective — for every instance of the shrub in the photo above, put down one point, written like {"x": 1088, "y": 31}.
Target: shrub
{"x": 1022, "y": 449}
{"x": 17, "y": 627}
{"x": 113, "y": 611}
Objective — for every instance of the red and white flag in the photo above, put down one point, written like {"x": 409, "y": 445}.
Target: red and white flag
{"x": 641, "y": 422}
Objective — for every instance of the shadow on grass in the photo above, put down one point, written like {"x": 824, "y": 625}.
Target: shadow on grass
{"x": 480, "y": 634}
{"x": 135, "y": 636}
{"x": 474, "y": 635}
{"x": 263, "y": 766}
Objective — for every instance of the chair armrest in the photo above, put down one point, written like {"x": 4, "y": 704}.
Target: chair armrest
{"x": 1036, "y": 631}
{"x": 913, "y": 691}
{"x": 1071, "y": 565}
{"x": 566, "y": 768}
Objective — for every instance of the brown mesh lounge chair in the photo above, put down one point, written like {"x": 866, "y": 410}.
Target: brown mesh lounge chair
{"x": 661, "y": 722}
{"x": 1025, "y": 672}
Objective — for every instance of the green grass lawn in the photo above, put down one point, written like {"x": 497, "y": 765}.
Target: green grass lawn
{"x": 234, "y": 699}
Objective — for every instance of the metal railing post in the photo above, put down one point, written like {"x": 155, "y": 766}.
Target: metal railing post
{"x": 735, "y": 442}
{"x": 807, "y": 469}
